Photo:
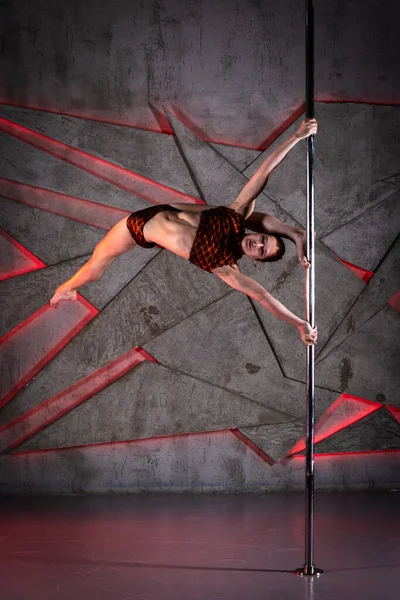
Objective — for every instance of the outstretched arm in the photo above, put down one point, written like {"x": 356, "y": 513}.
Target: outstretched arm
{"x": 244, "y": 203}
{"x": 251, "y": 288}
{"x": 263, "y": 223}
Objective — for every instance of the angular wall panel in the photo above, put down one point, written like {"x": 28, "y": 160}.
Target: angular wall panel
{"x": 83, "y": 211}
{"x": 353, "y": 152}
{"x": 151, "y": 401}
{"x": 129, "y": 181}
{"x": 147, "y": 153}
{"x": 219, "y": 181}
{"x": 15, "y": 258}
{"x": 367, "y": 364}
{"x": 22, "y": 428}
{"x": 378, "y": 431}
{"x": 26, "y": 164}
{"x": 168, "y": 290}
{"x": 27, "y": 348}
{"x": 365, "y": 240}
{"x": 225, "y": 345}
{"x": 373, "y": 297}
{"x": 50, "y": 237}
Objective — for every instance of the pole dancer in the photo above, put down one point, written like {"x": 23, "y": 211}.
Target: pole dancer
{"x": 213, "y": 238}
{"x": 309, "y": 568}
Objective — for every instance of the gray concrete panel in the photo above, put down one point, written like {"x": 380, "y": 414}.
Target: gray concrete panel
{"x": 216, "y": 461}
{"x": 379, "y": 431}
{"x": 219, "y": 181}
{"x": 367, "y": 363}
{"x": 23, "y": 163}
{"x": 365, "y": 240}
{"x": 374, "y": 296}
{"x": 336, "y": 290}
{"x": 237, "y": 156}
{"x": 50, "y": 237}
{"x": 275, "y": 441}
{"x": 237, "y": 71}
{"x": 37, "y": 288}
{"x": 225, "y": 345}
{"x": 352, "y": 153}
{"x": 168, "y": 290}
{"x": 147, "y": 153}
{"x": 151, "y": 401}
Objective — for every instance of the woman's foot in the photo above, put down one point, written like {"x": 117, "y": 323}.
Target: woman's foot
{"x": 62, "y": 295}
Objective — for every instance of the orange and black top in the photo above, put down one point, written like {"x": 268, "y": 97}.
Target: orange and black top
{"x": 217, "y": 241}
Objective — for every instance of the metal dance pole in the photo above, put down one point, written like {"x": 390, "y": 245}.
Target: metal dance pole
{"x": 309, "y": 567}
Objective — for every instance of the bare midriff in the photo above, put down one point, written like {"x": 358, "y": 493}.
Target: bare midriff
{"x": 174, "y": 231}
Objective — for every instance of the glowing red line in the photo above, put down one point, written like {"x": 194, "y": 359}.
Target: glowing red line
{"x": 394, "y": 301}
{"x": 361, "y": 273}
{"x": 357, "y": 453}
{"x": 29, "y": 423}
{"x": 150, "y": 190}
{"x": 395, "y": 412}
{"x": 76, "y": 209}
{"x": 51, "y": 353}
{"x": 98, "y": 118}
{"x": 124, "y": 442}
{"x": 35, "y": 263}
{"x": 338, "y": 425}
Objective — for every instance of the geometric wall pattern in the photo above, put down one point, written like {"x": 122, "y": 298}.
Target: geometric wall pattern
{"x": 162, "y": 377}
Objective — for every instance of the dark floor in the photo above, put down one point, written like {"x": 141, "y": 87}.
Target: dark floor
{"x": 201, "y": 547}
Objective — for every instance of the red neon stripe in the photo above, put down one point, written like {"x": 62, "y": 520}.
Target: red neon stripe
{"x": 394, "y": 301}
{"x": 29, "y": 423}
{"x": 150, "y": 190}
{"x": 357, "y": 453}
{"x": 26, "y": 261}
{"x": 345, "y": 411}
{"x": 23, "y": 329}
{"x": 124, "y": 442}
{"x": 76, "y": 209}
{"x": 361, "y": 273}
{"x": 395, "y": 412}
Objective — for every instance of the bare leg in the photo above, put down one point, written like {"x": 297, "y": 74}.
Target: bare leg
{"x": 117, "y": 241}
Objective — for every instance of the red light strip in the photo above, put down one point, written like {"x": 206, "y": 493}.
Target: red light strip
{"x": 149, "y": 190}
{"x": 361, "y": 273}
{"x": 76, "y": 209}
{"x": 355, "y": 409}
{"x": 394, "y": 301}
{"x": 47, "y": 351}
{"x": 395, "y": 412}
{"x": 27, "y": 261}
{"x": 124, "y": 442}
{"x": 357, "y": 453}
{"x": 26, "y": 425}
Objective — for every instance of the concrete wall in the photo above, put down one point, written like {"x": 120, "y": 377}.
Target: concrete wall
{"x": 160, "y": 377}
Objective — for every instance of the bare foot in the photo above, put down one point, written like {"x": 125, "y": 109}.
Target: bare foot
{"x": 62, "y": 295}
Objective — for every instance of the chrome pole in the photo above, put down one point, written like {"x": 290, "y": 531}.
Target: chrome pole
{"x": 309, "y": 567}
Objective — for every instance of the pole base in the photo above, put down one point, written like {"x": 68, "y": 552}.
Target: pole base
{"x": 308, "y": 571}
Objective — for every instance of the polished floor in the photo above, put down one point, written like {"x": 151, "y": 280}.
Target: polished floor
{"x": 171, "y": 547}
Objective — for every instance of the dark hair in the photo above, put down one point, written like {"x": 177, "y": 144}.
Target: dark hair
{"x": 278, "y": 254}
